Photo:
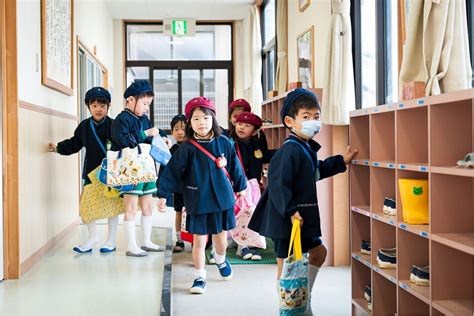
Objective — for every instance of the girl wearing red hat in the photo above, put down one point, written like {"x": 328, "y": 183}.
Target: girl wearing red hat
{"x": 206, "y": 169}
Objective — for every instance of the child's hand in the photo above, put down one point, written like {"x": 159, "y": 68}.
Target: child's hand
{"x": 298, "y": 217}
{"x": 152, "y": 132}
{"x": 240, "y": 194}
{"x": 162, "y": 205}
{"x": 52, "y": 147}
{"x": 349, "y": 154}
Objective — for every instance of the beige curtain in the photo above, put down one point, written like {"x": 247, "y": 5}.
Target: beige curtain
{"x": 281, "y": 77}
{"x": 338, "y": 92}
{"x": 437, "y": 46}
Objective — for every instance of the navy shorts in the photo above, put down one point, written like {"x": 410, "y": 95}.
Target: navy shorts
{"x": 282, "y": 245}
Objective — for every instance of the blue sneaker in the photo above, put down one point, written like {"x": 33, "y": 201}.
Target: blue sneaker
{"x": 225, "y": 270}
{"x": 199, "y": 286}
{"x": 79, "y": 249}
{"x": 245, "y": 253}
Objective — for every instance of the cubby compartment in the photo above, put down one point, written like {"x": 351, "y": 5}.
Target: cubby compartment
{"x": 360, "y": 231}
{"x": 384, "y": 236}
{"x": 409, "y": 305}
{"x": 452, "y": 211}
{"x": 360, "y": 188}
{"x": 359, "y": 136}
{"x": 412, "y": 136}
{"x": 412, "y": 250}
{"x": 269, "y": 134}
{"x": 275, "y": 113}
{"x": 451, "y": 133}
{"x": 423, "y": 229}
{"x": 383, "y": 186}
{"x": 361, "y": 277}
{"x": 384, "y": 296}
{"x": 452, "y": 280}
{"x": 382, "y": 137}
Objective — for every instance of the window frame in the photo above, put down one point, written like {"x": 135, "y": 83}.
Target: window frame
{"x": 267, "y": 48}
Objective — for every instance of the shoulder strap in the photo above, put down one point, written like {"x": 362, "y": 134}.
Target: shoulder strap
{"x": 239, "y": 155}
{"x": 208, "y": 154}
{"x": 97, "y": 137}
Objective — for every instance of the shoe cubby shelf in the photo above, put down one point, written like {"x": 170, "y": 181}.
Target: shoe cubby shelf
{"x": 273, "y": 128}
{"x": 418, "y": 139}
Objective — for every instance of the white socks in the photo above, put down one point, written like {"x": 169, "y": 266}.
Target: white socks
{"x": 219, "y": 258}
{"x": 130, "y": 234}
{"x": 312, "y": 274}
{"x": 113, "y": 224}
{"x": 93, "y": 238}
{"x": 146, "y": 222}
{"x": 200, "y": 274}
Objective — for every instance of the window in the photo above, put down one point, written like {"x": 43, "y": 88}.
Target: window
{"x": 269, "y": 62}
{"x": 375, "y": 51}
{"x": 181, "y": 68}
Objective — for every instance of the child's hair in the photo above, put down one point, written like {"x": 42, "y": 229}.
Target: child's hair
{"x": 303, "y": 102}
{"x": 178, "y": 118}
{"x": 144, "y": 95}
{"x": 100, "y": 100}
{"x": 215, "y": 126}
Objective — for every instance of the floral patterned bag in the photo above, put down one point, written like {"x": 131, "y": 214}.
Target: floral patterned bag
{"x": 130, "y": 166}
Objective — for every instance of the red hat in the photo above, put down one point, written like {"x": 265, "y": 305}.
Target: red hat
{"x": 240, "y": 102}
{"x": 199, "y": 102}
{"x": 249, "y": 118}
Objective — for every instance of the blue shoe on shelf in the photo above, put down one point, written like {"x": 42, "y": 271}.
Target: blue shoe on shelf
{"x": 199, "y": 286}
{"x": 79, "y": 249}
{"x": 225, "y": 270}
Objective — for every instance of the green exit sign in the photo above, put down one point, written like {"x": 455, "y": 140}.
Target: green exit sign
{"x": 179, "y": 27}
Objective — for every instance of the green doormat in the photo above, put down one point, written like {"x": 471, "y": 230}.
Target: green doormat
{"x": 268, "y": 255}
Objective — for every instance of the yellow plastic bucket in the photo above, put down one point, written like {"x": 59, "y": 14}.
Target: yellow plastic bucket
{"x": 414, "y": 196}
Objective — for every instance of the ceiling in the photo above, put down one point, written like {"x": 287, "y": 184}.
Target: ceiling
{"x": 193, "y": 9}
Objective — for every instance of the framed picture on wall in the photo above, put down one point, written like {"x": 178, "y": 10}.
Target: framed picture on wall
{"x": 57, "y": 45}
{"x": 303, "y": 4}
{"x": 305, "y": 55}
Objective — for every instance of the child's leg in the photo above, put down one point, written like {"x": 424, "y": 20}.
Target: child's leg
{"x": 91, "y": 240}
{"x": 317, "y": 256}
{"x": 110, "y": 243}
{"x": 199, "y": 260}
{"x": 279, "y": 267}
{"x": 131, "y": 205}
{"x": 220, "y": 243}
{"x": 177, "y": 225}
{"x": 146, "y": 222}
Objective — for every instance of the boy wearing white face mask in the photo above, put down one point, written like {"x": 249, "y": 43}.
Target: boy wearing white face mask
{"x": 291, "y": 191}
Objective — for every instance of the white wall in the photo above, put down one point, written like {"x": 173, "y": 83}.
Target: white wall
{"x": 318, "y": 14}
{"x": 49, "y": 183}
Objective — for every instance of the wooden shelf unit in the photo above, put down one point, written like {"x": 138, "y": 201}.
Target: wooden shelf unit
{"x": 417, "y": 139}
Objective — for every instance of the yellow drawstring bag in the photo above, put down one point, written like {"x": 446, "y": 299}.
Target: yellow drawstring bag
{"x": 414, "y": 196}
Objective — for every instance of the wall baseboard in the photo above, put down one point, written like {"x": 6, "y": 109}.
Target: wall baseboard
{"x": 29, "y": 263}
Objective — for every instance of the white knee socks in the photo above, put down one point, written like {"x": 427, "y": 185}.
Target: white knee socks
{"x": 130, "y": 234}
{"x": 93, "y": 238}
{"x": 219, "y": 258}
{"x": 146, "y": 222}
{"x": 312, "y": 274}
{"x": 113, "y": 224}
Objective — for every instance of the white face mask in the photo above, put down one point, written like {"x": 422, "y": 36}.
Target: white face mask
{"x": 310, "y": 128}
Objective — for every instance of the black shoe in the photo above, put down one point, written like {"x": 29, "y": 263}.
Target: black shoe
{"x": 366, "y": 247}
{"x": 389, "y": 207}
{"x": 387, "y": 258}
{"x": 179, "y": 246}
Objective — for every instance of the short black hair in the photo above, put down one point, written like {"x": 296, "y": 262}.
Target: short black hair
{"x": 215, "y": 126}
{"x": 304, "y": 102}
{"x": 100, "y": 100}
{"x": 178, "y": 118}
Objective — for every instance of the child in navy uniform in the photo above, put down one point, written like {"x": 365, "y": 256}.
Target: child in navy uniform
{"x": 252, "y": 154}
{"x": 208, "y": 186}
{"x": 291, "y": 191}
{"x": 178, "y": 131}
{"x": 131, "y": 128}
{"x": 92, "y": 133}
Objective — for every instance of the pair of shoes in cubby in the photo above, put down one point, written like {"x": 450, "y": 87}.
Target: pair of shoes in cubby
{"x": 368, "y": 297}
{"x": 387, "y": 258}
{"x": 366, "y": 247}
{"x": 389, "y": 207}
{"x": 420, "y": 275}
{"x": 267, "y": 122}
{"x": 468, "y": 161}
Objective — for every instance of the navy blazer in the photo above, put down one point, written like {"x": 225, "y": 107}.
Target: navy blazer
{"x": 292, "y": 187}
{"x": 205, "y": 187}
{"x": 84, "y": 137}
{"x": 254, "y": 154}
{"x": 127, "y": 130}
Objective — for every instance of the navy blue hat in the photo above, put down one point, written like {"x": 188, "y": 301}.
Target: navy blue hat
{"x": 97, "y": 92}
{"x": 138, "y": 87}
{"x": 178, "y": 118}
{"x": 292, "y": 97}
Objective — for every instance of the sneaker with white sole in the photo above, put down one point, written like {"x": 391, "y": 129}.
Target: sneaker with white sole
{"x": 387, "y": 258}
{"x": 366, "y": 247}
{"x": 225, "y": 270}
{"x": 420, "y": 275}
{"x": 244, "y": 253}
{"x": 199, "y": 286}
{"x": 389, "y": 206}
{"x": 468, "y": 161}
{"x": 256, "y": 256}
